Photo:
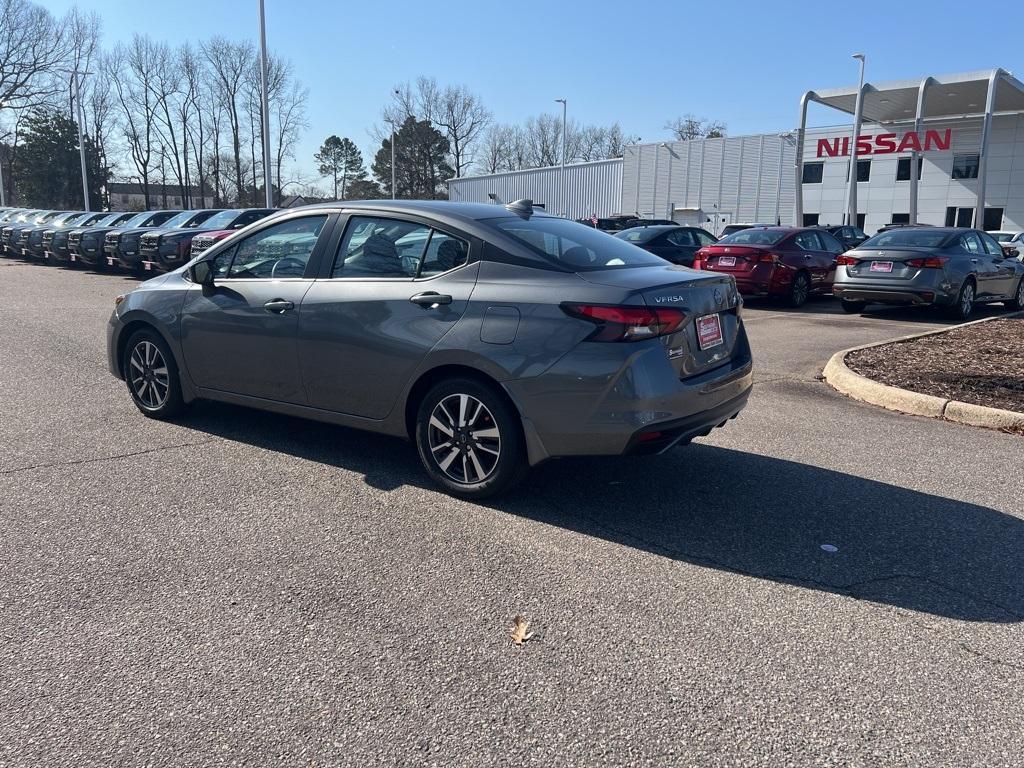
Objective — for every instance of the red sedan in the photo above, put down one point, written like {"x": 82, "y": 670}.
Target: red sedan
{"x": 785, "y": 262}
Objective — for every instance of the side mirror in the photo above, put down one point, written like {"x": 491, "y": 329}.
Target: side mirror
{"x": 201, "y": 274}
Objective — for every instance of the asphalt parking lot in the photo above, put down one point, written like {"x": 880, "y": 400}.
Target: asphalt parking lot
{"x": 248, "y": 589}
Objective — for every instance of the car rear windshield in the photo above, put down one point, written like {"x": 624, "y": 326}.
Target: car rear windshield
{"x": 754, "y": 237}
{"x": 919, "y": 238}
{"x": 574, "y": 246}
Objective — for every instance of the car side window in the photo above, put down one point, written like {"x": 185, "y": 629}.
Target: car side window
{"x": 279, "y": 251}
{"x": 247, "y": 218}
{"x": 703, "y": 237}
{"x": 971, "y": 243}
{"x": 681, "y": 237}
{"x": 379, "y": 247}
{"x": 808, "y": 241}
{"x": 991, "y": 245}
{"x": 831, "y": 244}
{"x": 444, "y": 253}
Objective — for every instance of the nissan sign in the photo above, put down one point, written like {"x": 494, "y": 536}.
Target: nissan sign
{"x": 886, "y": 143}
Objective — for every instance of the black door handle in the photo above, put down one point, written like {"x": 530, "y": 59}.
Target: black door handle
{"x": 430, "y": 299}
{"x": 278, "y": 306}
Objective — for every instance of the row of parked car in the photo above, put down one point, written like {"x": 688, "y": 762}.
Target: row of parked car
{"x": 952, "y": 267}
{"x": 150, "y": 241}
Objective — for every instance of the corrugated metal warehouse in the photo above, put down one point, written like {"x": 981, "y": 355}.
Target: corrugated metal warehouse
{"x": 965, "y": 131}
{"x": 590, "y": 188}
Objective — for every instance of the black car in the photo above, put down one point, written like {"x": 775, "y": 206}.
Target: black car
{"x": 122, "y": 247}
{"x": 671, "y": 242}
{"x": 849, "y": 236}
{"x": 619, "y": 223}
{"x": 55, "y": 241}
{"x": 86, "y": 245}
{"x": 15, "y": 244}
{"x": 30, "y": 239}
{"x": 168, "y": 249}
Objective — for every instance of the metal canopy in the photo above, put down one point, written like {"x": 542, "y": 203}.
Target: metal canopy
{"x": 960, "y": 95}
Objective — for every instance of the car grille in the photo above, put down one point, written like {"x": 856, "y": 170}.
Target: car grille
{"x": 48, "y": 238}
{"x": 149, "y": 241}
{"x": 74, "y": 239}
{"x": 111, "y": 238}
{"x": 200, "y": 244}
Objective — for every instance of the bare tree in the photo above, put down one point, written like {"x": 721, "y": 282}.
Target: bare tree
{"x": 131, "y": 70}
{"x": 544, "y": 138}
{"x": 32, "y": 45}
{"x": 691, "y": 127}
{"x": 229, "y": 63}
{"x": 463, "y": 117}
{"x": 288, "y": 117}
{"x": 496, "y": 150}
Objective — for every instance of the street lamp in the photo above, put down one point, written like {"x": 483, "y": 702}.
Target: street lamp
{"x": 267, "y": 180}
{"x": 392, "y": 123}
{"x": 3, "y": 193}
{"x": 561, "y": 173}
{"x": 75, "y": 82}
{"x": 858, "y": 110}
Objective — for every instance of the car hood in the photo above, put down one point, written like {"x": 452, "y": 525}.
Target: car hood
{"x": 134, "y": 230}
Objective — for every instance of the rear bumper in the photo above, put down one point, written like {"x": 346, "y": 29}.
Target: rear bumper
{"x": 614, "y": 399}
{"x": 916, "y": 295}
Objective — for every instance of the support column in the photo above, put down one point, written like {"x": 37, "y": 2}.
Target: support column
{"x": 798, "y": 207}
{"x": 986, "y": 130}
{"x": 915, "y": 157}
{"x": 858, "y": 115}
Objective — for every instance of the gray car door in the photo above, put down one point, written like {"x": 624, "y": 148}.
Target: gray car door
{"x": 395, "y": 288}
{"x": 1005, "y": 281}
{"x": 241, "y": 336}
{"x": 981, "y": 263}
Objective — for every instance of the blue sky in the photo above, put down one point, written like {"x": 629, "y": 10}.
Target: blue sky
{"x": 639, "y": 63}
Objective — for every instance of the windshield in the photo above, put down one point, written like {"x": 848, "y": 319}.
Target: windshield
{"x": 920, "y": 238}
{"x": 1003, "y": 237}
{"x": 754, "y": 237}
{"x": 69, "y": 218}
{"x": 574, "y": 246}
{"x": 136, "y": 221}
{"x": 222, "y": 220}
{"x": 179, "y": 221}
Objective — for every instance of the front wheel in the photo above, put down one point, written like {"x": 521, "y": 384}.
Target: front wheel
{"x": 964, "y": 301}
{"x": 152, "y": 376}
{"x": 470, "y": 439}
{"x": 1017, "y": 302}
{"x": 799, "y": 290}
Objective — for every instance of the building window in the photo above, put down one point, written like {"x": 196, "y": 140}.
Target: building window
{"x": 959, "y": 217}
{"x": 993, "y": 219}
{"x": 965, "y": 166}
{"x": 811, "y": 219}
{"x": 813, "y": 172}
{"x": 860, "y": 220}
{"x": 903, "y": 169}
{"x": 863, "y": 170}
{"x": 900, "y": 218}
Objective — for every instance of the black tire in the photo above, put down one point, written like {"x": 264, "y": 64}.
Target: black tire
{"x": 155, "y": 389}
{"x": 1017, "y": 302}
{"x": 799, "y": 290}
{"x": 965, "y": 299}
{"x": 853, "y": 307}
{"x": 473, "y": 470}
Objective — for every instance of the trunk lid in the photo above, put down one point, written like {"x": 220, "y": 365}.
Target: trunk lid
{"x": 732, "y": 258}
{"x": 887, "y": 263}
{"x": 710, "y": 302}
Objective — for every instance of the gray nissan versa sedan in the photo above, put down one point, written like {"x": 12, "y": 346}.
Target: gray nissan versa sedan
{"x": 950, "y": 267}
{"x": 493, "y": 337}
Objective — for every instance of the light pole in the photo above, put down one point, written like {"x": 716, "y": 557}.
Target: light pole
{"x": 858, "y": 110}
{"x": 561, "y": 173}
{"x": 267, "y": 176}
{"x": 3, "y": 193}
{"x": 75, "y": 77}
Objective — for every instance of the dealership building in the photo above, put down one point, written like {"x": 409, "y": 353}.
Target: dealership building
{"x": 943, "y": 150}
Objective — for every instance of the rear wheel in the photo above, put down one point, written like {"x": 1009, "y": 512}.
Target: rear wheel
{"x": 799, "y": 290}
{"x": 1017, "y": 302}
{"x": 964, "y": 301}
{"x": 853, "y": 307}
{"x": 152, "y": 376}
{"x": 470, "y": 439}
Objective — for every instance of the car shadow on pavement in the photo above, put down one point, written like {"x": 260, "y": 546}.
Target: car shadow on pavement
{"x": 825, "y": 305}
{"x": 754, "y": 515}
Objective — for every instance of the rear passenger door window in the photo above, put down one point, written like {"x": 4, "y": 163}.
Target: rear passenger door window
{"x": 807, "y": 241}
{"x": 971, "y": 243}
{"x": 682, "y": 237}
{"x": 393, "y": 248}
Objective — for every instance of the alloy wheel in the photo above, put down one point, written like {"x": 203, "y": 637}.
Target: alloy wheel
{"x": 149, "y": 376}
{"x": 801, "y": 289}
{"x": 967, "y": 300}
{"x": 464, "y": 439}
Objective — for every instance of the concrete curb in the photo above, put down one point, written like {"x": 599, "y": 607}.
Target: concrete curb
{"x": 852, "y": 384}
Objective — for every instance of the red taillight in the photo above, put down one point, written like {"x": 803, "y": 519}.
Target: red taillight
{"x": 930, "y": 262}
{"x": 845, "y": 261}
{"x": 627, "y": 323}
{"x": 769, "y": 258}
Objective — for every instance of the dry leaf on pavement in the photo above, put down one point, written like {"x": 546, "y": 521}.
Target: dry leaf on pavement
{"x": 520, "y": 633}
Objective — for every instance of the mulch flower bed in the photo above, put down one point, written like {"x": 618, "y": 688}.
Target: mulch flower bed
{"x": 981, "y": 364}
